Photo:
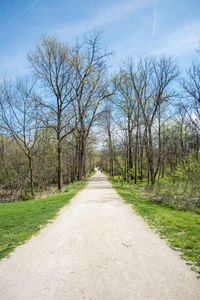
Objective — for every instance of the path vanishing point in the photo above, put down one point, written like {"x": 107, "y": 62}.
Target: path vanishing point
{"x": 97, "y": 248}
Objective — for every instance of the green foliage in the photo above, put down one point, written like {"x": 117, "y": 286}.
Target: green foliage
{"x": 67, "y": 188}
{"x": 72, "y": 186}
{"x": 77, "y": 184}
{"x": 180, "y": 228}
{"x": 178, "y": 175}
{"x": 192, "y": 169}
{"x": 180, "y": 187}
{"x": 20, "y": 220}
{"x": 27, "y": 197}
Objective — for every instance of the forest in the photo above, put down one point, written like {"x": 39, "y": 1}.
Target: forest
{"x": 72, "y": 113}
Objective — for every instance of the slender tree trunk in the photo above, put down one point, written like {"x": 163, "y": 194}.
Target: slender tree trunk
{"x": 141, "y": 162}
{"x": 127, "y": 164}
{"x": 163, "y": 169}
{"x": 59, "y": 163}
{"x": 150, "y": 157}
{"x": 129, "y": 150}
{"x": 148, "y": 174}
{"x": 125, "y": 168}
{"x": 159, "y": 148}
{"x": 141, "y": 141}
{"x": 197, "y": 146}
{"x": 81, "y": 162}
{"x": 79, "y": 165}
{"x": 110, "y": 151}
{"x": 136, "y": 153}
{"x": 31, "y": 173}
{"x": 76, "y": 169}
{"x": 84, "y": 160}
{"x": 135, "y": 175}
{"x": 149, "y": 152}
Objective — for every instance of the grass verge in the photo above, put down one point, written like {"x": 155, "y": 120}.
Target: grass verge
{"x": 20, "y": 220}
{"x": 180, "y": 228}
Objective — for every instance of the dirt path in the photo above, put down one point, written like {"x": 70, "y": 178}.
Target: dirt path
{"x": 97, "y": 249}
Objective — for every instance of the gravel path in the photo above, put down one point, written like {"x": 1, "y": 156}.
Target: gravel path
{"x": 96, "y": 249}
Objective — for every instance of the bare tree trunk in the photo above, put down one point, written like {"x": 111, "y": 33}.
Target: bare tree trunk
{"x": 130, "y": 159}
{"x": 136, "y": 145}
{"x": 110, "y": 150}
{"x": 81, "y": 160}
{"x": 31, "y": 173}
{"x": 59, "y": 164}
{"x": 84, "y": 160}
{"x": 197, "y": 146}
{"x": 159, "y": 147}
{"x": 141, "y": 151}
{"x": 150, "y": 156}
{"x": 148, "y": 174}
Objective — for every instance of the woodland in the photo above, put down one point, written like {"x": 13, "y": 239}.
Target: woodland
{"x": 71, "y": 113}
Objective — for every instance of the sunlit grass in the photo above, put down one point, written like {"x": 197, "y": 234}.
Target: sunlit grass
{"x": 20, "y": 220}
{"x": 180, "y": 228}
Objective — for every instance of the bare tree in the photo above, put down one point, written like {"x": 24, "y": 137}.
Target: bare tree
{"x": 151, "y": 82}
{"x": 107, "y": 127}
{"x": 18, "y": 117}
{"x": 191, "y": 87}
{"x": 91, "y": 88}
{"x": 52, "y": 64}
{"x": 126, "y": 103}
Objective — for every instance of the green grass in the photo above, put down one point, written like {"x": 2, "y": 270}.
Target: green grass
{"x": 20, "y": 220}
{"x": 180, "y": 228}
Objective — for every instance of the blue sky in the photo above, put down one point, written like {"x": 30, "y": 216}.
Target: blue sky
{"x": 131, "y": 28}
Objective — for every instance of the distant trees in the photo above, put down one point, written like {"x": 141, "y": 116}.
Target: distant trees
{"x": 71, "y": 84}
{"x": 143, "y": 94}
{"x": 75, "y": 78}
{"x": 126, "y": 104}
{"x": 157, "y": 137}
{"x": 191, "y": 87}
{"x": 108, "y": 122}
{"x": 49, "y": 124}
{"x": 152, "y": 88}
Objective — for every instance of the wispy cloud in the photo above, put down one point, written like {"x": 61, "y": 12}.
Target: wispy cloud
{"x": 155, "y": 18}
{"x": 107, "y": 16}
{"x": 181, "y": 42}
{"x": 20, "y": 14}
{"x": 154, "y": 25}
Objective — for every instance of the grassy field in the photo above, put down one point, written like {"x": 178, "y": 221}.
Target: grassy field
{"x": 20, "y": 220}
{"x": 180, "y": 228}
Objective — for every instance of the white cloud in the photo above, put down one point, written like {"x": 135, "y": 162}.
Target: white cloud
{"x": 181, "y": 42}
{"x": 107, "y": 16}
